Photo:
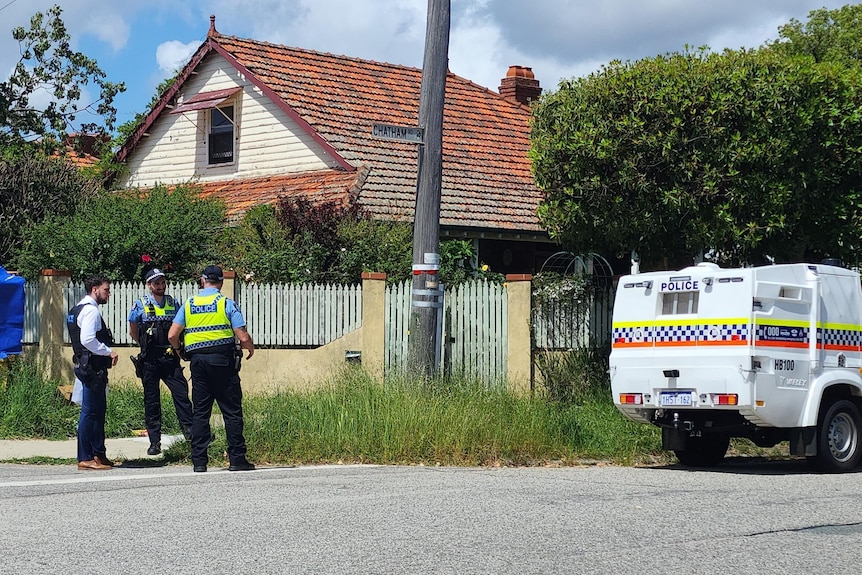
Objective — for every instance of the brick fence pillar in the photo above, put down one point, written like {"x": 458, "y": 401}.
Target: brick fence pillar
{"x": 520, "y": 358}
{"x": 373, "y": 323}
{"x": 52, "y": 323}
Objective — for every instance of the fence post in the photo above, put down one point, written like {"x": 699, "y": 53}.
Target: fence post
{"x": 228, "y": 288}
{"x": 520, "y": 357}
{"x": 52, "y": 322}
{"x": 373, "y": 323}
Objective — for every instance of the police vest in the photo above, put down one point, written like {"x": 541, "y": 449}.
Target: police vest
{"x": 208, "y": 327}
{"x": 97, "y": 362}
{"x": 156, "y": 322}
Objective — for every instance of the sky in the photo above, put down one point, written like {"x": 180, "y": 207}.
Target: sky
{"x": 142, "y": 42}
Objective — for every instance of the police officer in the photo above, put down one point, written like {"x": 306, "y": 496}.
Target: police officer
{"x": 93, "y": 357}
{"x": 211, "y": 323}
{"x": 149, "y": 322}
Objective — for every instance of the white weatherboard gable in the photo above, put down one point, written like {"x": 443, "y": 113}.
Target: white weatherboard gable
{"x": 268, "y": 142}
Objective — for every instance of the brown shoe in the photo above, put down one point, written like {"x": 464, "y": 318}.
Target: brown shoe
{"x": 103, "y": 460}
{"x": 92, "y": 464}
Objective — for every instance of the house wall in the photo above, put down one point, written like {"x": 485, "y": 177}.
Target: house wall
{"x": 267, "y": 140}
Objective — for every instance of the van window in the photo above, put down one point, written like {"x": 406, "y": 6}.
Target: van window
{"x": 677, "y": 303}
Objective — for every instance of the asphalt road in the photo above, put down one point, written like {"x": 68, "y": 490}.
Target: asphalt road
{"x": 750, "y": 516}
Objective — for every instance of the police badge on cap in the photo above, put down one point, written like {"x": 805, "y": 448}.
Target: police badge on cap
{"x": 154, "y": 274}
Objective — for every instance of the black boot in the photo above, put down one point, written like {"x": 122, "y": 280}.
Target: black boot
{"x": 241, "y": 465}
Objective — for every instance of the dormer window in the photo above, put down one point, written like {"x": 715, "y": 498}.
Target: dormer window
{"x": 215, "y": 116}
{"x": 221, "y": 135}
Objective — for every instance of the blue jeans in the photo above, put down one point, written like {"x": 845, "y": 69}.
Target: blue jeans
{"x": 91, "y": 423}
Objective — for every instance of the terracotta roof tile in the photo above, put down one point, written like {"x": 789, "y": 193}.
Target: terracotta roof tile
{"x": 79, "y": 159}
{"x": 321, "y": 186}
{"x": 487, "y": 183}
{"x": 486, "y": 174}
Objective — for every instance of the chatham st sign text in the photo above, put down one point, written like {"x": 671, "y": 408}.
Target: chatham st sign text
{"x": 400, "y": 133}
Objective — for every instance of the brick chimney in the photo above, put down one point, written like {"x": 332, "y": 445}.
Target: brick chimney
{"x": 520, "y": 84}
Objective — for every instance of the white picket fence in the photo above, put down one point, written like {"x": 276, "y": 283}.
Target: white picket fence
{"x": 31, "y": 313}
{"x": 282, "y": 314}
{"x": 474, "y": 331}
{"x": 300, "y": 315}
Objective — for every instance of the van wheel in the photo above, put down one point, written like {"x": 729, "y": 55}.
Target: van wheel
{"x": 838, "y": 439}
{"x": 705, "y": 451}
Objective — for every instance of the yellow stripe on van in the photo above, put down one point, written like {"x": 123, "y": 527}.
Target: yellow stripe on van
{"x": 782, "y": 322}
{"x": 840, "y": 326}
{"x": 678, "y": 321}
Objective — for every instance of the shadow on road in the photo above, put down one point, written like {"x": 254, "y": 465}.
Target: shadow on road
{"x": 748, "y": 465}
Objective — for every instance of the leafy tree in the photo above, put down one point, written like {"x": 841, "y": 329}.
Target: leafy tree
{"x": 175, "y": 229}
{"x": 296, "y": 241}
{"x": 741, "y": 155}
{"x": 326, "y": 243}
{"x": 827, "y": 36}
{"x": 34, "y": 186}
{"x": 48, "y": 65}
{"x": 368, "y": 245}
{"x": 312, "y": 232}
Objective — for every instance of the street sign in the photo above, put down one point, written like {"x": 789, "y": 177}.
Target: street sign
{"x": 400, "y": 133}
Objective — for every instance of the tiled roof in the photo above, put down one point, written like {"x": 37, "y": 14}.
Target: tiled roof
{"x": 486, "y": 173}
{"x": 487, "y": 184}
{"x": 79, "y": 159}
{"x": 322, "y": 186}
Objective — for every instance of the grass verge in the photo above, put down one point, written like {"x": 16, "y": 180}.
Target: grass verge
{"x": 353, "y": 418}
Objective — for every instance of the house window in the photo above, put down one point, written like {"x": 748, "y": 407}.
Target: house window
{"x": 221, "y": 135}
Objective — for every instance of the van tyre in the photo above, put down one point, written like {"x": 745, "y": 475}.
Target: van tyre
{"x": 705, "y": 451}
{"x": 838, "y": 437}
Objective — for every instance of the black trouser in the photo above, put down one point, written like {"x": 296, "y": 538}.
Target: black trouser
{"x": 214, "y": 378}
{"x": 169, "y": 370}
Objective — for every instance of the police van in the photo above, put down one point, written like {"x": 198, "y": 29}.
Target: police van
{"x": 770, "y": 353}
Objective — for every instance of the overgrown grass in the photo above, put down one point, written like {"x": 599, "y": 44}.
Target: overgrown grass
{"x": 354, "y": 418}
{"x": 31, "y": 406}
{"x": 446, "y": 422}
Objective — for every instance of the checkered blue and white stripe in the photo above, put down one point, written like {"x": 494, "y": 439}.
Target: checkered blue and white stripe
{"x": 839, "y": 337}
{"x": 682, "y": 333}
{"x": 632, "y": 334}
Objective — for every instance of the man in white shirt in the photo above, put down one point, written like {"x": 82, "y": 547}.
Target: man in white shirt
{"x": 93, "y": 357}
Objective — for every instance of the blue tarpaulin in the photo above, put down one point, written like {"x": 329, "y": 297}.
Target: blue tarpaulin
{"x": 11, "y": 313}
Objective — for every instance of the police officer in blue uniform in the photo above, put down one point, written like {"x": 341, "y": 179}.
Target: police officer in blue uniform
{"x": 93, "y": 357}
{"x": 149, "y": 322}
{"x": 212, "y": 324}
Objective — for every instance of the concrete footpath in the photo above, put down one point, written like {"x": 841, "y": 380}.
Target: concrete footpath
{"x": 124, "y": 448}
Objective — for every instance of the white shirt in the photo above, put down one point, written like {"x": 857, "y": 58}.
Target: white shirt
{"x": 90, "y": 320}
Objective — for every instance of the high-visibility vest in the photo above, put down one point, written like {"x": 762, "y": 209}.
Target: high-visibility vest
{"x": 207, "y": 323}
{"x": 156, "y": 322}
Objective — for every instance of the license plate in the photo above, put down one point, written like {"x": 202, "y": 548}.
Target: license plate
{"x": 666, "y": 398}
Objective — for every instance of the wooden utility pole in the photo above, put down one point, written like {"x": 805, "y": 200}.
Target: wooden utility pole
{"x": 426, "y": 298}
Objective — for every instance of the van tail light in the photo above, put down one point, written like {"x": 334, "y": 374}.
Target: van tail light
{"x": 631, "y": 399}
{"x": 725, "y": 399}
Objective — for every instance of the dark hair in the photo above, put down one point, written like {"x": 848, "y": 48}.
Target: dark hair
{"x": 94, "y": 281}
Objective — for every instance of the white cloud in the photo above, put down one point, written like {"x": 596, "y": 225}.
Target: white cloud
{"x": 557, "y": 38}
{"x": 173, "y": 55}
